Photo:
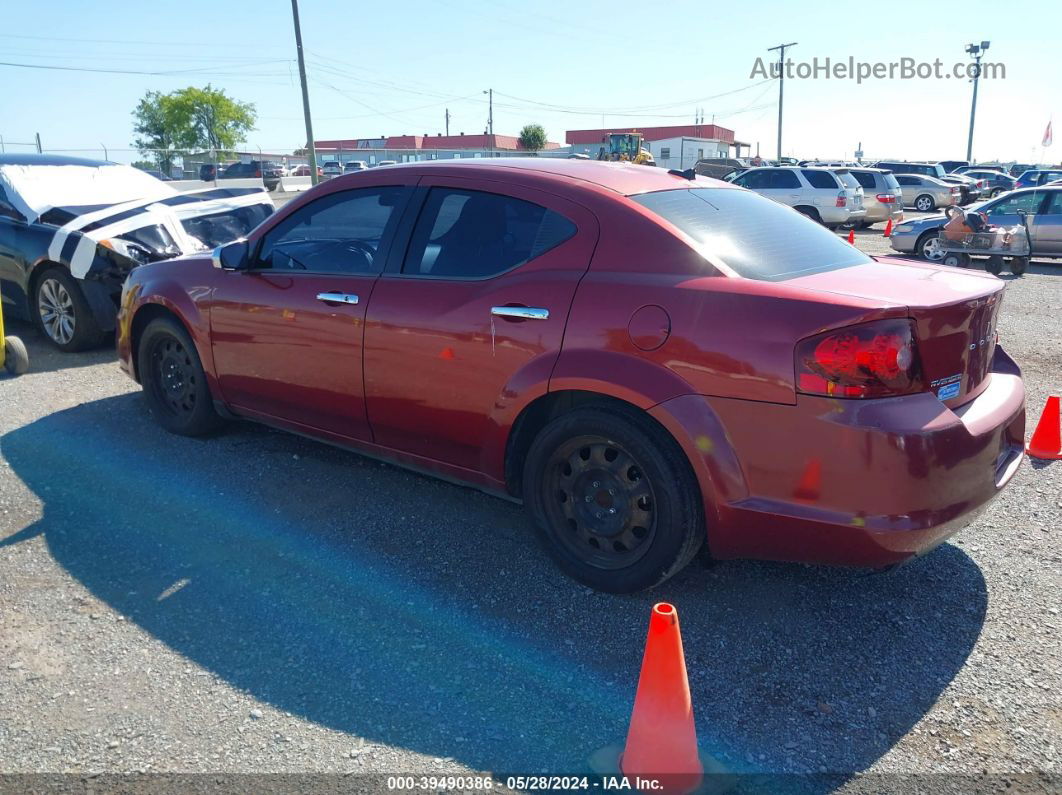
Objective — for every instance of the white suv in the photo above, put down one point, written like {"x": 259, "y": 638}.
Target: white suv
{"x": 831, "y": 197}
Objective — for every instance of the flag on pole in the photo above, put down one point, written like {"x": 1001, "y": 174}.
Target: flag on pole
{"x": 1048, "y": 137}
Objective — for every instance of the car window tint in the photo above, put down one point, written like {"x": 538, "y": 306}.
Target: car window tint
{"x": 340, "y": 233}
{"x": 890, "y": 181}
{"x": 1010, "y": 205}
{"x": 756, "y": 237}
{"x": 903, "y": 179}
{"x": 783, "y": 179}
{"x": 474, "y": 235}
{"x": 848, "y": 180}
{"x": 819, "y": 179}
{"x": 864, "y": 178}
{"x": 1054, "y": 204}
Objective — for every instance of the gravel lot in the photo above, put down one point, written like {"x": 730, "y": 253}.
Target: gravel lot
{"x": 261, "y": 602}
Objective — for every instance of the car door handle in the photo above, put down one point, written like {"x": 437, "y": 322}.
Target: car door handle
{"x": 337, "y": 298}
{"x": 520, "y": 312}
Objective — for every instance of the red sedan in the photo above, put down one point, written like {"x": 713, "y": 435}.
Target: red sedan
{"x": 650, "y": 362}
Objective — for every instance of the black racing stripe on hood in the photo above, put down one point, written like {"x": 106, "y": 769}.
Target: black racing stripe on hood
{"x": 69, "y": 245}
{"x": 111, "y": 219}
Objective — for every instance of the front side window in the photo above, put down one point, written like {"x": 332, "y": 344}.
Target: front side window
{"x": 756, "y": 237}
{"x": 344, "y": 232}
{"x": 754, "y": 180}
{"x": 466, "y": 234}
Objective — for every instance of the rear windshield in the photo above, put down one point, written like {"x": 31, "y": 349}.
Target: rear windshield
{"x": 848, "y": 180}
{"x": 864, "y": 178}
{"x": 755, "y": 236}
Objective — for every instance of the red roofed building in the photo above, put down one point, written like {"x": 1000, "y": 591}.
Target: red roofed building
{"x": 429, "y": 142}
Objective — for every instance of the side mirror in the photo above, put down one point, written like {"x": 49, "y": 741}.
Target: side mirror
{"x": 232, "y": 256}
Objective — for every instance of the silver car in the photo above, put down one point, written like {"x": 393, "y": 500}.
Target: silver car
{"x": 882, "y": 197}
{"x": 833, "y": 198}
{"x": 927, "y": 193}
{"x": 1043, "y": 205}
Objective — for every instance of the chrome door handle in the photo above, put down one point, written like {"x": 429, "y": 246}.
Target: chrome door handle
{"x": 337, "y": 298}
{"x": 520, "y": 312}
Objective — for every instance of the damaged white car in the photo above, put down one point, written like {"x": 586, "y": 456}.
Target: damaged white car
{"x": 71, "y": 229}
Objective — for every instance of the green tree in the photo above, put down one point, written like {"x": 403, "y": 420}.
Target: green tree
{"x": 190, "y": 119}
{"x": 144, "y": 165}
{"x": 533, "y": 137}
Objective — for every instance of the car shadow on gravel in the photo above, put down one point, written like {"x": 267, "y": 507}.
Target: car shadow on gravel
{"x": 422, "y": 615}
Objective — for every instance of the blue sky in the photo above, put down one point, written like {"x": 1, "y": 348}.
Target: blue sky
{"x": 378, "y": 68}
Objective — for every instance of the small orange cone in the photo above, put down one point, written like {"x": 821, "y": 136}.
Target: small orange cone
{"x": 888, "y": 228}
{"x": 1046, "y": 442}
{"x": 851, "y": 236}
{"x": 662, "y": 740}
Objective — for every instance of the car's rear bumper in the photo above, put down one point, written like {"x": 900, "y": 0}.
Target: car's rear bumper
{"x": 866, "y": 483}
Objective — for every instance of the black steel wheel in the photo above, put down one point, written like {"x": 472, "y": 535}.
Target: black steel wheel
{"x": 994, "y": 265}
{"x": 614, "y": 498}
{"x": 173, "y": 380}
{"x": 1019, "y": 265}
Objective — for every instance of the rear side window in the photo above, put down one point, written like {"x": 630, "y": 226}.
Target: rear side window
{"x": 756, "y": 237}
{"x": 819, "y": 179}
{"x": 890, "y": 181}
{"x": 464, "y": 234}
{"x": 783, "y": 179}
{"x": 864, "y": 178}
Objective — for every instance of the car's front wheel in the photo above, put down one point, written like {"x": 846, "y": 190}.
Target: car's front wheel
{"x": 930, "y": 246}
{"x": 62, "y": 313}
{"x": 174, "y": 382}
{"x": 925, "y": 203}
{"x": 614, "y": 499}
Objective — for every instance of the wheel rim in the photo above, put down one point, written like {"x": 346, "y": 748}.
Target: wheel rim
{"x": 56, "y": 309}
{"x": 600, "y": 501}
{"x": 932, "y": 249}
{"x": 924, "y": 204}
{"x": 174, "y": 376}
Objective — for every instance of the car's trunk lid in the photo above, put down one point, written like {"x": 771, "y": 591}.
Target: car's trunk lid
{"x": 955, "y": 314}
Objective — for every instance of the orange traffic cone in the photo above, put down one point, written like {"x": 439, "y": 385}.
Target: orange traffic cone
{"x": 662, "y": 740}
{"x": 1046, "y": 442}
{"x": 888, "y": 228}
{"x": 851, "y": 236}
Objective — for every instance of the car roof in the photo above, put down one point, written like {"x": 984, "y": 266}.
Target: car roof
{"x": 34, "y": 159}
{"x": 624, "y": 178}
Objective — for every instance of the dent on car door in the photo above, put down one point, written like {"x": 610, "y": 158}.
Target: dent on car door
{"x": 287, "y": 332}
{"x": 473, "y": 317}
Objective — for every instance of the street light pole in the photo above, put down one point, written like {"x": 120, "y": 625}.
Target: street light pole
{"x": 490, "y": 118}
{"x": 781, "y": 87}
{"x": 976, "y": 52}
{"x": 310, "y": 151}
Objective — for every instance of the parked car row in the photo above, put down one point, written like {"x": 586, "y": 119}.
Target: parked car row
{"x": 266, "y": 170}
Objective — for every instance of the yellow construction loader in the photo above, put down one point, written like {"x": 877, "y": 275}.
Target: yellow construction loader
{"x": 625, "y": 147}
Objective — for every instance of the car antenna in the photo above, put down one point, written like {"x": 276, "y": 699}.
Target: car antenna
{"x": 689, "y": 173}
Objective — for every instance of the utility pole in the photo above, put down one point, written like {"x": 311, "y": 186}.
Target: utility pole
{"x": 490, "y": 118}
{"x": 781, "y": 87}
{"x": 447, "y": 122}
{"x": 311, "y": 154}
{"x": 976, "y": 52}
{"x": 38, "y": 143}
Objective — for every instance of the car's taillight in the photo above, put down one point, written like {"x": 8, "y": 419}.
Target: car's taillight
{"x": 258, "y": 172}
{"x": 842, "y": 199}
{"x": 980, "y": 183}
{"x": 886, "y": 198}
{"x": 956, "y": 189}
{"x": 871, "y": 360}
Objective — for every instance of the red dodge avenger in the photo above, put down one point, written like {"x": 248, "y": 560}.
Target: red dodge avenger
{"x": 652, "y": 362}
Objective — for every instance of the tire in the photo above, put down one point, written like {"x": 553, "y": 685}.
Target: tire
{"x": 614, "y": 499}
{"x": 810, "y": 212}
{"x": 955, "y": 260}
{"x": 994, "y": 192}
{"x": 994, "y": 265}
{"x": 1019, "y": 265}
{"x": 62, "y": 313}
{"x": 16, "y": 357}
{"x": 924, "y": 243}
{"x": 173, "y": 379}
{"x": 925, "y": 203}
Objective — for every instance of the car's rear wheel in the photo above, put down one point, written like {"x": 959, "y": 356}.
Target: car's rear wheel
{"x": 174, "y": 382}
{"x": 925, "y": 203}
{"x": 62, "y": 313}
{"x": 930, "y": 246}
{"x": 810, "y": 212}
{"x": 994, "y": 265}
{"x": 1019, "y": 265}
{"x": 614, "y": 499}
